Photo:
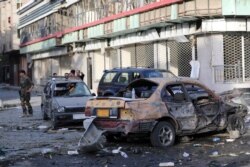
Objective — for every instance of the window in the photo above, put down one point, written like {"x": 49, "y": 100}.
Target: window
{"x": 71, "y": 89}
{"x": 108, "y": 77}
{"x": 174, "y": 93}
{"x": 152, "y": 74}
{"x": 196, "y": 92}
{"x": 123, "y": 78}
{"x": 135, "y": 75}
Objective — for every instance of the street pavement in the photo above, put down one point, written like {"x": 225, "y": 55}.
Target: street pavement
{"x": 9, "y": 97}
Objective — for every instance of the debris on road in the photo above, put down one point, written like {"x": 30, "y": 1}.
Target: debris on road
{"x": 123, "y": 154}
{"x": 43, "y": 127}
{"x": 185, "y": 155}
{"x": 214, "y": 154}
{"x": 74, "y": 152}
{"x": 234, "y": 134}
{"x": 216, "y": 139}
{"x": 197, "y": 145}
{"x": 166, "y": 164}
{"x": 230, "y": 140}
{"x": 116, "y": 151}
{"x": 62, "y": 130}
{"x": 47, "y": 151}
{"x": 92, "y": 139}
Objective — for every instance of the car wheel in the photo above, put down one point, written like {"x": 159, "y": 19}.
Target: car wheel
{"x": 236, "y": 123}
{"x": 54, "y": 122}
{"x": 163, "y": 135}
{"x": 45, "y": 116}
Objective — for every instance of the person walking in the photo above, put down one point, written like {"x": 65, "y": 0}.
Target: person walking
{"x": 26, "y": 85}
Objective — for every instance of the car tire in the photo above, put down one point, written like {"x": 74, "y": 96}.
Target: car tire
{"x": 236, "y": 122}
{"x": 163, "y": 135}
{"x": 54, "y": 122}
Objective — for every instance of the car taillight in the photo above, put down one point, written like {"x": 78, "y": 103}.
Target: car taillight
{"x": 88, "y": 111}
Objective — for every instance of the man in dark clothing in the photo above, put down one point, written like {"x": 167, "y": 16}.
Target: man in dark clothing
{"x": 26, "y": 86}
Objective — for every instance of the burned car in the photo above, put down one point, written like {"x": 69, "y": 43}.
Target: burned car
{"x": 63, "y": 101}
{"x": 163, "y": 109}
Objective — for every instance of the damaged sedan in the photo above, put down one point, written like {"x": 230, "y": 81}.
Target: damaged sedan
{"x": 163, "y": 109}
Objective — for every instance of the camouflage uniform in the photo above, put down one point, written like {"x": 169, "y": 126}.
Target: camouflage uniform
{"x": 25, "y": 84}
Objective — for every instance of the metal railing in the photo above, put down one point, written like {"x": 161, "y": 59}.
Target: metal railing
{"x": 227, "y": 74}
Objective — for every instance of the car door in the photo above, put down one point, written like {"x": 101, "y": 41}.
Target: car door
{"x": 206, "y": 104}
{"x": 179, "y": 106}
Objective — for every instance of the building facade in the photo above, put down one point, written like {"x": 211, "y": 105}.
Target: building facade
{"x": 10, "y": 59}
{"x": 211, "y": 35}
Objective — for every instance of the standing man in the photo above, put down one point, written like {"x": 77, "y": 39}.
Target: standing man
{"x": 26, "y": 85}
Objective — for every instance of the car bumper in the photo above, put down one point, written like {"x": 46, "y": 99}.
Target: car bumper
{"x": 123, "y": 126}
{"x": 70, "y": 117}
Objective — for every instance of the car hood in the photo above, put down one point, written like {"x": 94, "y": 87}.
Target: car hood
{"x": 72, "y": 102}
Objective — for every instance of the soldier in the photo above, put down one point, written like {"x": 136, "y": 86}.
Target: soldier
{"x": 26, "y": 85}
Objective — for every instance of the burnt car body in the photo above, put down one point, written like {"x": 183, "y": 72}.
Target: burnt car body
{"x": 64, "y": 100}
{"x": 115, "y": 79}
{"x": 165, "y": 108}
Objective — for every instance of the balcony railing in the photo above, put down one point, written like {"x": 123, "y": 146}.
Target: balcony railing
{"x": 227, "y": 74}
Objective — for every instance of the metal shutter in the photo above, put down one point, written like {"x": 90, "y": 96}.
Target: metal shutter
{"x": 232, "y": 57}
{"x": 180, "y": 56}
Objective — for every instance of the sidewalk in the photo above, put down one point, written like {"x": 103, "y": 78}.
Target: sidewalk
{"x": 9, "y": 97}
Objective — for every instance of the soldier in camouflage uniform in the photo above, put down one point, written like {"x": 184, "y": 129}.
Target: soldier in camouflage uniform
{"x": 26, "y": 86}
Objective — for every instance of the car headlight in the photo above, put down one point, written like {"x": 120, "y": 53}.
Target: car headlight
{"x": 60, "y": 109}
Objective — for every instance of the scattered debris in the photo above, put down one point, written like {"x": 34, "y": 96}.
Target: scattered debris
{"x": 234, "y": 134}
{"x": 116, "y": 151}
{"x": 74, "y": 152}
{"x": 197, "y": 145}
{"x": 92, "y": 139}
{"x": 42, "y": 127}
{"x": 216, "y": 139}
{"x": 230, "y": 140}
{"x": 247, "y": 153}
{"x": 185, "y": 155}
{"x": 123, "y": 154}
{"x": 47, "y": 151}
{"x": 233, "y": 155}
{"x": 215, "y": 154}
{"x": 2, "y": 157}
{"x": 166, "y": 164}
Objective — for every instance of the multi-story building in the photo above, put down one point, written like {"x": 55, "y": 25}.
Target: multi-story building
{"x": 58, "y": 35}
{"x": 10, "y": 59}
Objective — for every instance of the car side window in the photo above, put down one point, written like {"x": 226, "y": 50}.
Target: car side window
{"x": 174, "y": 93}
{"x": 135, "y": 75}
{"x": 108, "y": 77}
{"x": 123, "y": 78}
{"x": 196, "y": 92}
